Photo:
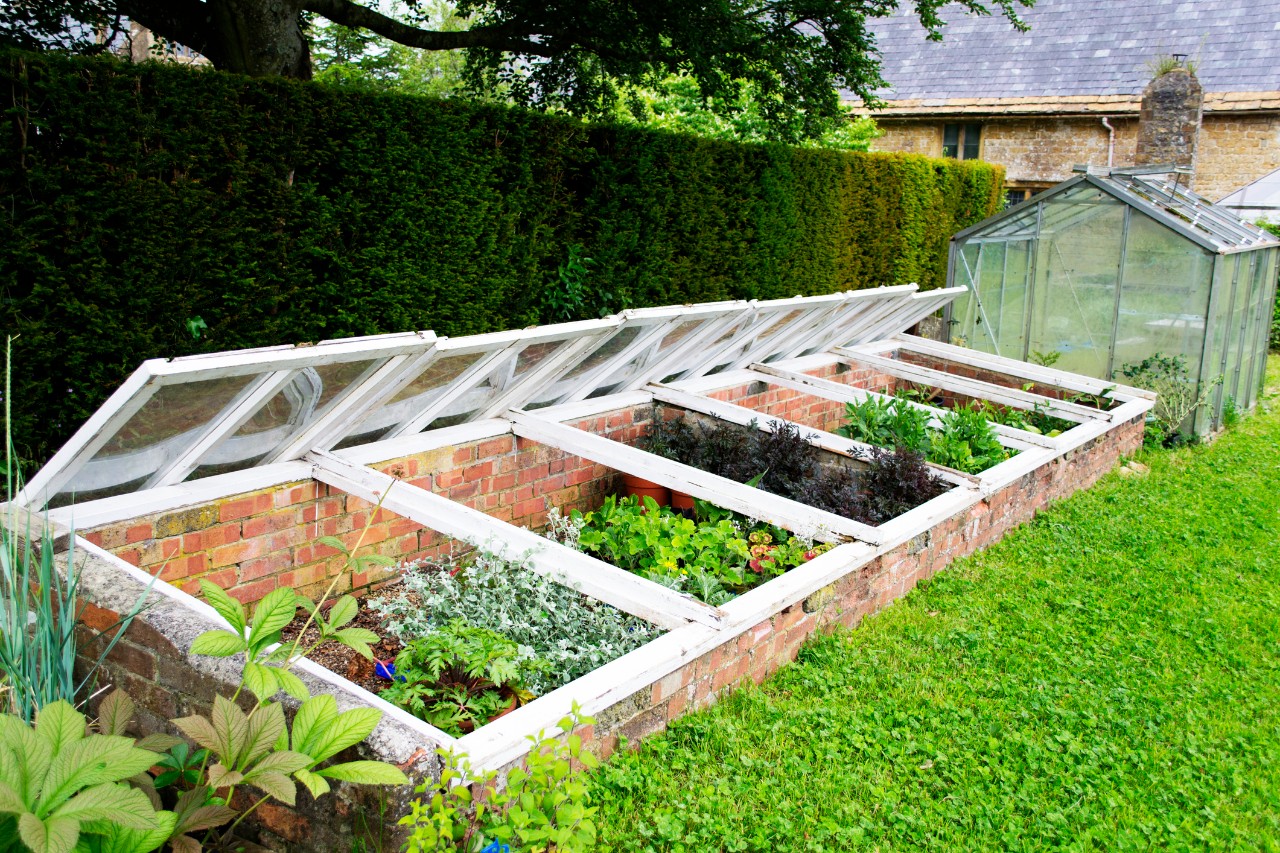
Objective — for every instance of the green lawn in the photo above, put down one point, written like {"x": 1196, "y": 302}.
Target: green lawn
{"x": 1107, "y": 677}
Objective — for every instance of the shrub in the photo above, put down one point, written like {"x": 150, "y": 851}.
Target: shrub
{"x": 570, "y": 633}
{"x": 1179, "y": 396}
{"x": 279, "y": 211}
{"x": 897, "y": 481}
{"x": 964, "y": 440}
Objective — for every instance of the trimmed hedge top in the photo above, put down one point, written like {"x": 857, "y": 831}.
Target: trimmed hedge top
{"x": 137, "y": 198}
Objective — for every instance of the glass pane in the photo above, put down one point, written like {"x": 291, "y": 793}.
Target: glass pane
{"x": 1165, "y": 296}
{"x": 155, "y": 436}
{"x": 305, "y": 398}
{"x": 950, "y": 140}
{"x": 1012, "y": 313}
{"x": 972, "y": 141}
{"x": 1075, "y": 287}
{"x": 610, "y": 348}
{"x": 411, "y": 399}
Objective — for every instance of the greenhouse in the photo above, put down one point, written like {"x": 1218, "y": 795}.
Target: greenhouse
{"x": 1106, "y": 270}
{"x": 543, "y": 469}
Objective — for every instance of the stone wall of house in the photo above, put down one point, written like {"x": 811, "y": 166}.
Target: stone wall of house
{"x": 1233, "y": 149}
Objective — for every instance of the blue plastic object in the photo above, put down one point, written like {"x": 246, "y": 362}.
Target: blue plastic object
{"x": 495, "y": 847}
{"x": 386, "y": 669}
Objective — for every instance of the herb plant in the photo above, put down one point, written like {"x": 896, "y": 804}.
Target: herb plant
{"x": 713, "y": 556}
{"x": 544, "y": 805}
{"x": 897, "y": 481}
{"x": 459, "y": 677}
{"x": 964, "y": 439}
{"x": 572, "y": 634}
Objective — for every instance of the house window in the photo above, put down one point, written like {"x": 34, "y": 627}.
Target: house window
{"x": 961, "y": 141}
{"x": 1017, "y": 195}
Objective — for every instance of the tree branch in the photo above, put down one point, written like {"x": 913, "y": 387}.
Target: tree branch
{"x": 186, "y": 22}
{"x": 350, "y": 14}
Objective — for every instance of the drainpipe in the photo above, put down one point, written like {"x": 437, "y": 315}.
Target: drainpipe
{"x": 1111, "y": 142}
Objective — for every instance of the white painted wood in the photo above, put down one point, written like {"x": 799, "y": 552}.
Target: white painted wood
{"x": 756, "y": 605}
{"x": 364, "y": 387}
{"x": 973, "y": 387}
{"x": 91, "y": 514}
{"x": 102, "y": 425}
{"x": 1020, "y": 369}
{"x": 595, "y": 406}
{"x": 692, "y": 350}
{"x": 857, "y": 307}
{"x": 916, "y": 521}
{"x": 831, "y": 390}
{"x": 377, "y": 452}
{"x": 796, "y": 517}
{"x": 596, "y": 578}
{"x": 219, "y": 365}
{"x": 240, "y": 410}
{"x": 582, "y": 386}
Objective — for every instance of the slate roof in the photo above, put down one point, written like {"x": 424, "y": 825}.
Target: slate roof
{"x": 1081, "y": 47}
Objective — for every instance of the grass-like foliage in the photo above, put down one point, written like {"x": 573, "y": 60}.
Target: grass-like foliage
{"x": 569, "y": 632}
{"x": 1106, "y": 677}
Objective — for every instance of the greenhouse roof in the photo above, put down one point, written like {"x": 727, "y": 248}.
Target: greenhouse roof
{"x": 180, "y": 419}
{"x": 1166, "y": 201}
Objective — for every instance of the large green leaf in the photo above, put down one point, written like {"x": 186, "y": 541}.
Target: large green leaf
{"x": 230, "y": 726}
{"x": 115, "y": 713}
{"x": 92, "y": 761}
{"x": 366, "y": 773}
{"x": 343, "y": 611}
{"x": 264, "y": 726}
{"x": 348, "y": 729}
{"x": 59, "y": 725}
{"x": 315, "y": 784}
{"x": 108, "y": 837}
{"x": 277, "y": 785}
{"x": 226, "y": 606}
{"x": 312, "y": 718}
{"x": 120, "y": 803}
{"x": 261, "y": 681}
{"x": 222, "y": 776}
{"x": 276, "y": 610}
{"x": 200, "y": 730}
{"x": 285, "y": 761}
{"x": 292, "y": 684}
{"x": 10, "y": 801}
{"x": 55, "y": 835}
{"x": 218, "y": 644}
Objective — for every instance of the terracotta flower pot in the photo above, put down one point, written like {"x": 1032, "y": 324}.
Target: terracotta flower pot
{"x": 643, "y": 488}
{"x": 681, "y": 501}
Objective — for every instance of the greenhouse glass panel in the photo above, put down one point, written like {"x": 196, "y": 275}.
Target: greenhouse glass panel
{"x": 1164, "y": 296}
{"x": 308, "y": 396}
{"x": 427, "y": 387}
{"x": 154, "y": 437}
{"x": 1075, "y": 289}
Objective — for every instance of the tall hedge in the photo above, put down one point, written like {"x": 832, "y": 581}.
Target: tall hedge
{"x": 135, "y": 198}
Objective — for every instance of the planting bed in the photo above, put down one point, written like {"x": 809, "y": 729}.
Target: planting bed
{"x": 528, "y": 442}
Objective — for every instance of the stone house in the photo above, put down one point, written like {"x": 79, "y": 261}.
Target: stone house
{"x": 1071, "y": 89}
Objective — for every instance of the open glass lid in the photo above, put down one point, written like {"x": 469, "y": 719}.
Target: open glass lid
{"x": 181, "y": 419}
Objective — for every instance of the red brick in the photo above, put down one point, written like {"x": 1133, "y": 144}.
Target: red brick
{"x": 463, "y": 455}
{"x": 238, "y": 552}
{"x": 98, "y": 618}
{"x": 202, "y": 540}
{"x": 252, "y": 592}
{"x": 271, "y": 564}
{"x": 270, "y": 523}
{"x": 139, "y": 533}
{"x": 245, "y": 507}
{"x": 495, "y": 447}
{"x": 224, "y": 579}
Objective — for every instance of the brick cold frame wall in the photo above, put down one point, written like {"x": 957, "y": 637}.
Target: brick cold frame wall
{"x": 254, "y": 542}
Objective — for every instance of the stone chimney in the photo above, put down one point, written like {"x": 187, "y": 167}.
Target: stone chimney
{"x": 1169, "y": 123}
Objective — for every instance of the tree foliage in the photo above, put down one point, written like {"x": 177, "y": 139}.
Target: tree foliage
{"x": 578, "y": 55}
